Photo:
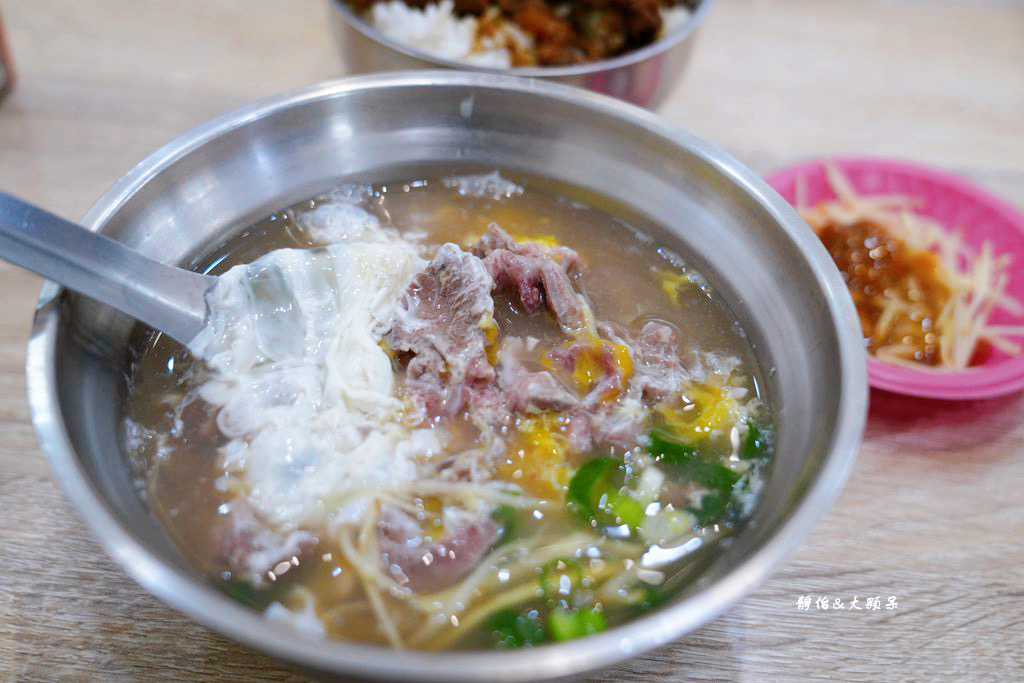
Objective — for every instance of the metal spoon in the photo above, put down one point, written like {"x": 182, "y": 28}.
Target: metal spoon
{"x": 169, "y": 299}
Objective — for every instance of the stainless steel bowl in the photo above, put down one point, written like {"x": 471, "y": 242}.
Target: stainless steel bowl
{"x": 645, "y": 76}
{"x": 200, "y": 188}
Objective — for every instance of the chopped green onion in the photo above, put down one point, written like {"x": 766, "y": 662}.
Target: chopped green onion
{"x": 651, "y": 597}
{"x": 709, "y": 474}
{"x": 755, "y": 445}
{"x": 624, "y": 508}
{"x": 595, "y": 494}
{"x": 512, "y": 630}
{"x": 566, "y": 624}
{"x": 712, "y": 506}
{"x": 560, "y": 578}
{"x": 667, "y": 449}
{"x": 589, "y": 484}
{"x": 247, "y": 594}
{"x": 712, "y": 475}
{"x": 508, "y": 518}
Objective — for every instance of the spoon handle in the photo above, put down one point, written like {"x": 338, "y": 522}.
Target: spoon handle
{"x": 167, "y": 298}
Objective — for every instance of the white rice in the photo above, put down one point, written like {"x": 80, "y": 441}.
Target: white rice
{"x": 672, "y": 18}
{"x": 437, "y": 31}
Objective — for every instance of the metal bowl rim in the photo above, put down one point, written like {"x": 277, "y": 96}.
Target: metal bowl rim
{"x": 663, "y": 44}
{"x": 218, "y": 612}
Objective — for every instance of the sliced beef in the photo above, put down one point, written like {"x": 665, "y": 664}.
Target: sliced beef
{"x": 611, "y": 385}
{"x": 438, "y": 329}
{"x": 606, "y": 416}
{"x": 659, "y": 372}
{"x": 529, "y": 391}
{"x": 534, "y": 392}
{"x": 598, "y": 426}
{"x": 429, "y": 566}
{"x": 658, "y": 346}
{"x": 621, "y": 426}
{"x": 250, "y": 548}
{"x": 440, "y": 400}
{"x": 538, "y": 281}
{"x": 438, "y": 332}
{"x": 495, "y": 238}
{"x": 537, "y": 275}
{"x": 615, "y": 411}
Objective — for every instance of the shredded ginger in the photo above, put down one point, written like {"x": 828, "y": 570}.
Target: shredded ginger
{"x": 975, "y": 281}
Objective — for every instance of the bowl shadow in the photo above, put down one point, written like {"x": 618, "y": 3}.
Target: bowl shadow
{"x": 940, "y": 425}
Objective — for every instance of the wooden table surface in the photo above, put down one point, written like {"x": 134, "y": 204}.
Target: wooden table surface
{"x": 933, "y": 513}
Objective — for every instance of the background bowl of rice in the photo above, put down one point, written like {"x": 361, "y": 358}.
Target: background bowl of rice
{"x": 644, "y": 76}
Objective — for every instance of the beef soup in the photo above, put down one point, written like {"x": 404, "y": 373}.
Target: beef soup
{"x": 450, "y": 413}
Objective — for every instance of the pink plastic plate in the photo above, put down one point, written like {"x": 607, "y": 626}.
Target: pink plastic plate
{"x": 957, "y": 205}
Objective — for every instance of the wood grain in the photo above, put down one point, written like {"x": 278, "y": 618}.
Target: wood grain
{"x": 933, "y": 513}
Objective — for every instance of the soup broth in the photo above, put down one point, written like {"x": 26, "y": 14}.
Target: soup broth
{"x": 567, "y": 420}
